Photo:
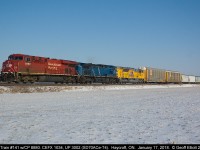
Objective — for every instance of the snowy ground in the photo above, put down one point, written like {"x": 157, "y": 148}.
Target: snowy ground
{"x": 41, "y": 89}
{"x": 114, "y": 114}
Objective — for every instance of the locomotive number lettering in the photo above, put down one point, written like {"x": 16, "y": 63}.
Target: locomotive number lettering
{"x": 76, "y": 147}
{"x": 52, "y": 68}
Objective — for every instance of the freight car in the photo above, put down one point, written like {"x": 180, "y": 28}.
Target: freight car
{"x": 173, "y": 77}
{"x": 26, "y": 68}
{"x": 153, "y": 75}
{"x": 185, "y": 78}
{"x": 192, "y": 79}
{"x": 197, "y": 79}
{"x": 189, "y": 79}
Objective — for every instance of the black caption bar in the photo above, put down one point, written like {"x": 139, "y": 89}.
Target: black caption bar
{"x": 99, "y": 147}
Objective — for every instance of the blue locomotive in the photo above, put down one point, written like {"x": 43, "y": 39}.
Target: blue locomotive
{"x": 98, "y": 73}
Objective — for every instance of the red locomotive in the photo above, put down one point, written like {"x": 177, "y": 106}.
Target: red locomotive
{"x": 25, "y": 68}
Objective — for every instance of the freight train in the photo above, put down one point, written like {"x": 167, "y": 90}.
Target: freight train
{"x": 25, "y": 68}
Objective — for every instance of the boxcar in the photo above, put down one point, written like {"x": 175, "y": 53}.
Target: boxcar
{"x": 97, "y": 73}
{"x": 197, "y": 79}
{"x": 185, "y": 78}
{"x": 191, "y": 79}
{"x": 153, "y": 75}
{"x": 173, "y": 77}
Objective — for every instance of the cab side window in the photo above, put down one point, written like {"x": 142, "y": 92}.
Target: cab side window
{"x": 27, "y": 59}
{"x": 10, "y": 58}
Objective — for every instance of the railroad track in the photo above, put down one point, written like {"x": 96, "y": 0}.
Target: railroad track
{"x": 54, "y": 84}
{"x": 45, "y": 84}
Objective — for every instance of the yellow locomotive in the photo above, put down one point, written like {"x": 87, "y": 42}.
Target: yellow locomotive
{"x": 130, "y": 75}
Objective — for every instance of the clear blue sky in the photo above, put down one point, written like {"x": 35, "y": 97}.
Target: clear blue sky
{"x": 158, "y": 33}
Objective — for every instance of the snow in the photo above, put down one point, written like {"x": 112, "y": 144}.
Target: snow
{"x": 148, "y": 114}
{"x": 40, "y": 89}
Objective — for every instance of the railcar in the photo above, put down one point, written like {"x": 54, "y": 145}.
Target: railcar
{"x": 26, "y": 68}
{"x": 173, "y": 77}
{"x": 185, "y": 78}
{"x": 154, "y": 75}
{"x": 197, "y": 79}
{"x": 191, "y": 79}
{"x": 96, "y": 73}
{"x": 130, "y": 75}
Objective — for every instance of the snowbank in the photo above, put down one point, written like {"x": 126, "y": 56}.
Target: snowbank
{"x": 41, "y": 89}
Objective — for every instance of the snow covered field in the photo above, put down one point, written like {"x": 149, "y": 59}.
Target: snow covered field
{"x": 111, "y": 114}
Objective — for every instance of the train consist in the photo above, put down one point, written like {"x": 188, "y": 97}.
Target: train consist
{"x": 25, "y": 68}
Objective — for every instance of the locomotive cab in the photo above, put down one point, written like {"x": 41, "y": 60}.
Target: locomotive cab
{"x": 10, "y": 67}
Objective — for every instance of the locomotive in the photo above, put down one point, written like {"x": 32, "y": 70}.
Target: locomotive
{"x": 96, "y": 73}
{"x": 25, "y": 68}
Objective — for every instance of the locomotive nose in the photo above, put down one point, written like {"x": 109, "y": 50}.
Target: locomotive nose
{"x": 8, "y": 66}
{"x": 8, "y": 71}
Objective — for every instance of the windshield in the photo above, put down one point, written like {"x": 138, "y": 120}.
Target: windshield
{"x": 15, "y": 58}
